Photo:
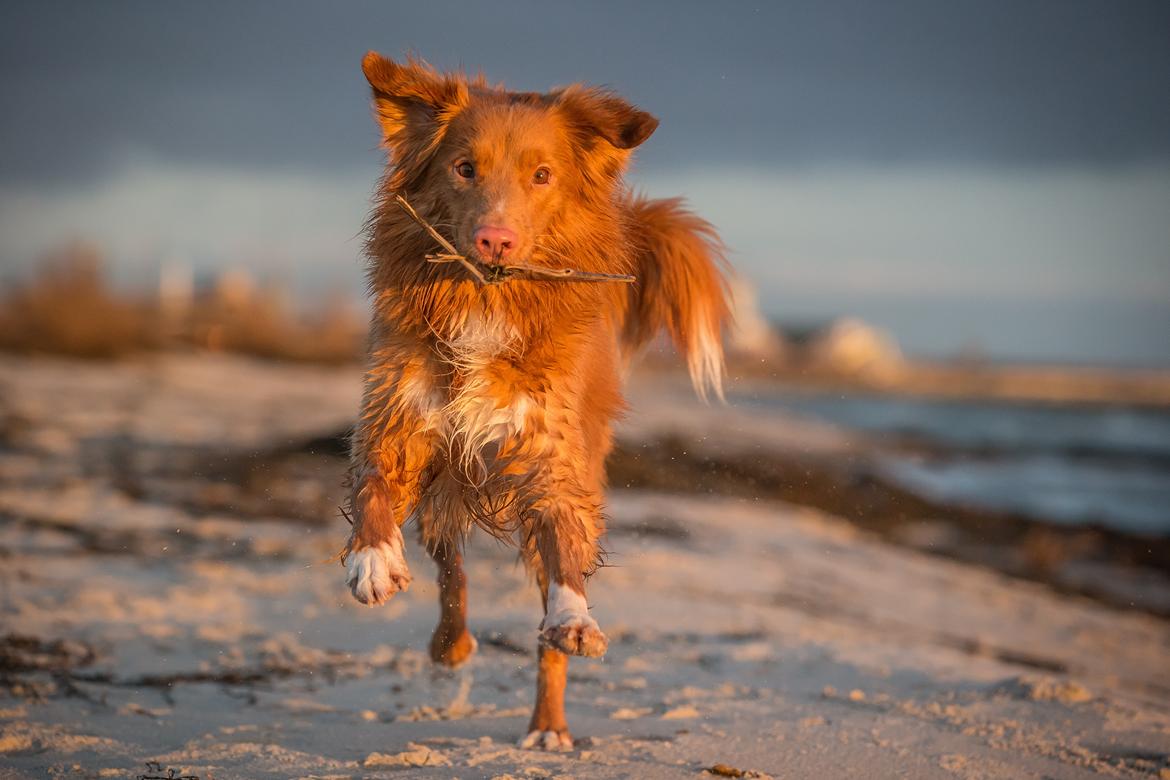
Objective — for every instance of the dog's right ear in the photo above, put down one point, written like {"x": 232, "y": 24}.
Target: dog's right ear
{"x": 412, "y": 102}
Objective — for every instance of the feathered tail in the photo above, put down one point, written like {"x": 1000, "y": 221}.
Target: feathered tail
{"x": 680, "y": 288}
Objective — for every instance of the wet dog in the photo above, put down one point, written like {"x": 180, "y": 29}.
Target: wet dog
{"x": 492, "y": 405}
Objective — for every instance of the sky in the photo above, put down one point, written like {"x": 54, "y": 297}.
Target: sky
{"x": 969, "y": 175}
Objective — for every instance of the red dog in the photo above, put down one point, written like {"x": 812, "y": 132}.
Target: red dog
{"x": 493, "y": 404}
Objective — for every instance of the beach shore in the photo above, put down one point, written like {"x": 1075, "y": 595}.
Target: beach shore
{"x": 167, "y": 525}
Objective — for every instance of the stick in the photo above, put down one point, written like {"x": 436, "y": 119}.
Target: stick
{"x": 570, "y": 274}
{"x": 491, "y": 274}
{"x": 452, "y": 252}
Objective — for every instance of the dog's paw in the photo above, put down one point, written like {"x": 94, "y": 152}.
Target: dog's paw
{"x": 576, "y": 635}
{"x": 454, "y": 653}
{"x": 552, "y": 741}
{"x": 568, "y": 627}
{"x": 374, "y": 574}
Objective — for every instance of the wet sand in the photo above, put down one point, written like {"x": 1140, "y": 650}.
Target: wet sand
{"x": 167, "y": 597}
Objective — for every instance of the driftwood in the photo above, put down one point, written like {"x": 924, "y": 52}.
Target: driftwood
{"x": 494, "y": 273}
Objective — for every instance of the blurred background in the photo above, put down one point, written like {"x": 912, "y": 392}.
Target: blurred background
{"x": 950, "y": 227}
{"x": 950, "y": 223}
{"x": 984, "y": 177}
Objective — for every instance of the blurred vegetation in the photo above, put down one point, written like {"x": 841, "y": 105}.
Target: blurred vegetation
{"x": 69, "y": 308}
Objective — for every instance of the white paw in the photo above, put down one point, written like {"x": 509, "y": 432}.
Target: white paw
{"x": 547, "y": 740}
{"x": 567, "y": 625}
{"x": 374, "y": 574}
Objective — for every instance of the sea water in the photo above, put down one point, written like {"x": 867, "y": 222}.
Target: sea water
{"x": 1060, "y": 462}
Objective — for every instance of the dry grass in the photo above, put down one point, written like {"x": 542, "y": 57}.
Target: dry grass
{"x": 265, "y": 326}
{"x": 68, "y": 308}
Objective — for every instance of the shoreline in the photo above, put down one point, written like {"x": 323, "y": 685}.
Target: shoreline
{"x": 669, "y": 441}
{"x": 1040, "y": 383}
{"x": 1015, "y": 544}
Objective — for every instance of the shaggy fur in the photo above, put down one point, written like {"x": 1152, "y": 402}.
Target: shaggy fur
{"x": 493, "y": 405}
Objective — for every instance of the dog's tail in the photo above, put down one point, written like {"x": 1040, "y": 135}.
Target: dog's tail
{"x": 680, "y": 288}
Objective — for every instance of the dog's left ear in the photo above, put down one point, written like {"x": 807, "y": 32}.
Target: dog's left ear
{"x": 603, "y": 113}
{"x": 412, "y": 102}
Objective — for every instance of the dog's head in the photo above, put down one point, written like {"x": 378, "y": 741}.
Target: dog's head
{"x": 502, "y": 168}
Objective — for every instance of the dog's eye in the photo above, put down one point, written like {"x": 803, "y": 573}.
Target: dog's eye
{"x": 542, "y": 176}
{"x": 465, "y": 169}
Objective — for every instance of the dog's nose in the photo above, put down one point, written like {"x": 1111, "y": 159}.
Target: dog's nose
{"x": 492, "y": 241}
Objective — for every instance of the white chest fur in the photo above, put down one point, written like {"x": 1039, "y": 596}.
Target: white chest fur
{"x": 481, "y": 339}
{"x": 477, "y": 410}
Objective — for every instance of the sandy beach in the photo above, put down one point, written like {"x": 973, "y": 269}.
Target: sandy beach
{"x": 166, "y": 530}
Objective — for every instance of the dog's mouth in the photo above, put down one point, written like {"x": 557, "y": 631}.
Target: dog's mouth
{"x": 529, "y": 256}
{"x": 496, "y": 259}
{"x": 498, "y": 271}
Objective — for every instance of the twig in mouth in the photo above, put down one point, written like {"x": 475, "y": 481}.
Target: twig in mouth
{"x": 452, "y": 253}
{"x": 493, "y": 273}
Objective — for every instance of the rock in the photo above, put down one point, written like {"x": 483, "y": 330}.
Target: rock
{"x": 414, "y": 755}
{"x": 629, "y": 713}
{"x": 1038, "y": 688}
{"x": 677, "y": 713}
{"x": 751, "y": 335}
{"x": 850, "y": 346}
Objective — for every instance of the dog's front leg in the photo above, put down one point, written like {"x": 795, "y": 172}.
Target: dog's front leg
{"x": 375, "y": 556}
{"x": 562, "y": 548}
{"x": 392, "y": 449}
{"x": 564, "y": 535}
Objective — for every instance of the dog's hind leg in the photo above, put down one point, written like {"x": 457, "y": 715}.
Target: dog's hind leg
{"x": 451, "y": 644}
{"x": 548, "y": 730}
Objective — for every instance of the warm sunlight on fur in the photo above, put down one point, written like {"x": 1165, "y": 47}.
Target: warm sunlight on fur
{"x": 493, "y": 404}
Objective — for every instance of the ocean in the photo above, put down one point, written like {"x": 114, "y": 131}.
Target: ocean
{"x": 1073, "y": 464}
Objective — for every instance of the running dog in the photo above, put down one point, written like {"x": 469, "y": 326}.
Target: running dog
{"x": 489, "y": 398}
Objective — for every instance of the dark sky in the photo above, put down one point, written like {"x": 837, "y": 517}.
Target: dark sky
{"x": 963, "y": 173}
{"x": 277, "y": 83}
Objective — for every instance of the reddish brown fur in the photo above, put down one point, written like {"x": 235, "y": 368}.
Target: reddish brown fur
{"x": 494, "y": 404}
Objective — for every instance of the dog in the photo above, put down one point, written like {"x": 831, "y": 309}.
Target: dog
{"x": 492, "y": 405}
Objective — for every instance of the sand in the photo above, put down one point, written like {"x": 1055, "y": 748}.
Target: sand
{"x": 154, "y": 609}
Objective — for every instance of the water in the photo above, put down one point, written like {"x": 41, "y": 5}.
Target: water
{"x": 1068, "y": 464}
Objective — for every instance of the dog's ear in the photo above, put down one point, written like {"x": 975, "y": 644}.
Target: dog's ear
{"x": 602, "y": 113}
{"x": 412, "y": 102}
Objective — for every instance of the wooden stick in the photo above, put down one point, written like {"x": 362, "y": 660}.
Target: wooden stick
{"x": 452, "y": 252}
{"x": 570, "y": 274}
{"x": 500, "y": 273}
{"x": 410, "y": 212}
